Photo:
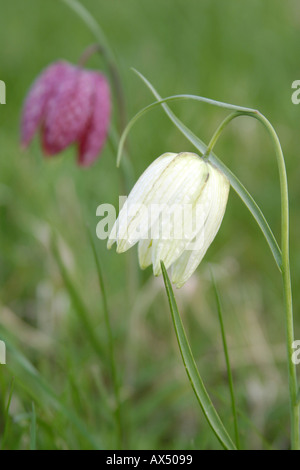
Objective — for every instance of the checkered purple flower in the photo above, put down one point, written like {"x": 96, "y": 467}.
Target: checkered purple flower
{"x": 69, "y": 105}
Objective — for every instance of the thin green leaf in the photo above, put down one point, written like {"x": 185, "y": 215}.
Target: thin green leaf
{"x": 229, "y": 373}
{"x": 6, "y": 416}
{"x": 161, "y": 101}
{"x": 234, "y": 181}
{"x": 30, "y": 380}
{"x": 113, "y": 367}
{"x": 247, "y": 421}
{"x": 33, "y": 429}
{"x": 205, "y": 402}
{"x": 127, "y": 167}
{"x": 78, "y": 304}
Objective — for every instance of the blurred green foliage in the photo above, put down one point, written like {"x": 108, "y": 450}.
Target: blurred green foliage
{"x": 242, "y": 52}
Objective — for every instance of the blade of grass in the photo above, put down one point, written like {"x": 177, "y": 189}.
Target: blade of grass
{"x": 247, "y": 421}
{"x": 33, "y": 429}
{"x": 7, "y": 414}
{"x": 113, "y": 367}
{"x": 31, "y": 381}
{"x": 78, "y": 304}
{"x": 241, "y": 191}
{"x": 127, "y": 168}
{"x": 202, "y": 396}
{"x": 228, "y": 366}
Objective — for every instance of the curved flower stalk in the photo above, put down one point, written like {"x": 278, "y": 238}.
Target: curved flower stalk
{"x": 281, "y": 254}
{"x": 239, "y": 188}
{"x": 173, "y": 212}
{"x": 70, "y": 105}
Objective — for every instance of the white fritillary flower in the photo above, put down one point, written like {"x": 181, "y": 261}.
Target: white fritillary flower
{"x": 173, "y": 212}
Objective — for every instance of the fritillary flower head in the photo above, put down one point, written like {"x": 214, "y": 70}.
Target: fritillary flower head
{"x": 173, "y": 212}
{"x": 68, "y": 105}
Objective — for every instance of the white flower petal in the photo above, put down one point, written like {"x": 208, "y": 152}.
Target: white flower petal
{"x": 165, "y": 180}
{"x": 155, "y": 214}
{"x": 216, "y": 191}
{"x": 144, "y": 253}
{"x": 178, "y": 227}
{"x": 130, "y": 218}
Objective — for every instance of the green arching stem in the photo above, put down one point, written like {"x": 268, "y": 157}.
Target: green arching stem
{"x": 91, "y": 23}
{"x": 88, "y": 53}
{"x": 168, "y": 99}
{"x": 219, "y": 130}
{"x": 286, "y": 277}
{"x": 285, "y": 264}
{"x": 105, "y": 50}
{"x": 238, "y": 187}
{"x": 114, "y": 74}
{"x": 102, "y": 46}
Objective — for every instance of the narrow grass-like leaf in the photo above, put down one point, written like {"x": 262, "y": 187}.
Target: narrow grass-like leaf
{"x": 205, "y": 402}
{"x": 113, "y": 367}
{"x": 168, "y": 99}
{"x": 127, "y": 167}
{"x": 228, "y": 366}
{"x": 30, "y": 380}
{"x": 6, "y": 415}
{"x": 234, "y": 181}
{"x": 78, "y": 304}
{"x": 33, "y": 429}
{"x": 247, "y": 421}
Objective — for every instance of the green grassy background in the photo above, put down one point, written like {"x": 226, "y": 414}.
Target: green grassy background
{"x": 241, "y": 52}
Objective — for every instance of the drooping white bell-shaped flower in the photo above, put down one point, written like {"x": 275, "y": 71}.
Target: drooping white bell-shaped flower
{"x": 174, "y": 212}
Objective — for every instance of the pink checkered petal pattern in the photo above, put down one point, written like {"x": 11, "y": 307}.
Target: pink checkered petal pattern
{"x": 95, "y": 134}
{"x": 38, "y": 98}
{"x": 69, "y": 111}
